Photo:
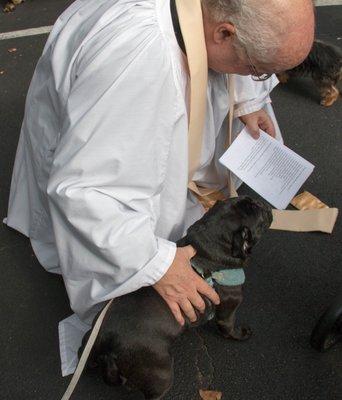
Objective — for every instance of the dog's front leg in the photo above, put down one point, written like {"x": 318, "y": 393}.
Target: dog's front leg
{"x": 231, "y": 297}
{"x": 328, "y": 90}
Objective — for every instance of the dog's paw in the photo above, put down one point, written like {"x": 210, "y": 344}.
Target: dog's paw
{"x": 9, "y": 7}
{"x": 240, "y": 333}
{"x": 245, "y": 332}
{"x": 328, "y": 101}
{"x": 329, "y": 97}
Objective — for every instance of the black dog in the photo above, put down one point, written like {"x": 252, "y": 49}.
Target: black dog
{"x": 133, "y": 345}
{"x": 324, "y": 65}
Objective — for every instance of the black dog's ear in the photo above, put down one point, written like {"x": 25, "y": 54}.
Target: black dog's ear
{"x": 241, "y": 239}
{"x": 245, "y": 233}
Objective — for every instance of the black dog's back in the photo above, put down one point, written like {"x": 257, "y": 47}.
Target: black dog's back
{"x": 138, "y": 327}
{"x": 123, "y": 318}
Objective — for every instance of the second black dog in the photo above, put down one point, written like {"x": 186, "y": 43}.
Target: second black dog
{"x": 133, "y": 346}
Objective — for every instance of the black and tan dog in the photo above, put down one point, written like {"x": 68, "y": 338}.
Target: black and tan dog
{"x": 133, "y": 346}
{"x": 324, "y": 65}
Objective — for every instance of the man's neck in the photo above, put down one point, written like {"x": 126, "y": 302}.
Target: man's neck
{"x": 176, "y": 26}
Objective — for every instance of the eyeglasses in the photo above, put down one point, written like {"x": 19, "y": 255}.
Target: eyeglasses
{"x": 256, "y": 76}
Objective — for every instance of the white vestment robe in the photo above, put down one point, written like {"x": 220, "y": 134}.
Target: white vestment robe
{"x": 101, "y": 172}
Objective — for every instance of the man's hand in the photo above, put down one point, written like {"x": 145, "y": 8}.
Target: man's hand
{"x": 181, "y": 287}
{"x": 258, "y": 120}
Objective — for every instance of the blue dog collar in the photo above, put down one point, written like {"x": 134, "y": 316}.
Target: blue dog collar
{"x": 229, "y": 277}
{"x": 224, "y": 277}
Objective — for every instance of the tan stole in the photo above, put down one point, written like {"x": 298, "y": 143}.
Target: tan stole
{"x": 191, "y": 23}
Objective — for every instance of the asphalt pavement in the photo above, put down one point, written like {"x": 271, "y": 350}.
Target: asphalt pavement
{"x": 292, "y": 279}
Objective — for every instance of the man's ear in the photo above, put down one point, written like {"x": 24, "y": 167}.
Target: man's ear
{"x": 223, "y": 32}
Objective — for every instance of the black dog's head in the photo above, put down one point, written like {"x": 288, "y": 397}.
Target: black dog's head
{"x": 251, "y": 219}
{"x": 225, "y": 236}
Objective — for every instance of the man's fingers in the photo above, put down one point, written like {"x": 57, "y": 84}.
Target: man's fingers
{"x": 254, "y": 130}
{"x": 271, "y": 130}
{"x": 208, "y": 292}
{"x": 174, "y": 307}
{"x": 188, "y": 310}
{"x": 197, "y": 302}
{"x": 268, "y": 127}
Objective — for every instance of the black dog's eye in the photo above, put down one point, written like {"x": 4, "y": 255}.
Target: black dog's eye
{"x": 245, "y": 234}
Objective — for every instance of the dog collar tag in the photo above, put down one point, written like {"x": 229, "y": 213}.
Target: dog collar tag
{"x": 229, "y": 277}
{"x": 224, "y": 277}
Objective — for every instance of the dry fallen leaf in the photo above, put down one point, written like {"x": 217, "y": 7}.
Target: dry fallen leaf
{"x": 12, "y": 50}
{"x": 210, "y": 395}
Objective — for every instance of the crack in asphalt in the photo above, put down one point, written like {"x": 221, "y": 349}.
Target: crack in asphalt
{"x": 204, "y": 379}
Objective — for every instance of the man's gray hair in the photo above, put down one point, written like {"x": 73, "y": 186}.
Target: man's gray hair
{"x": 258, "y": 29}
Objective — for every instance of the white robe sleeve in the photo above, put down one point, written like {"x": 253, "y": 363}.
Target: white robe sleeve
{"x": 251, "y": 96}
{"x": 108, "y": 172}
